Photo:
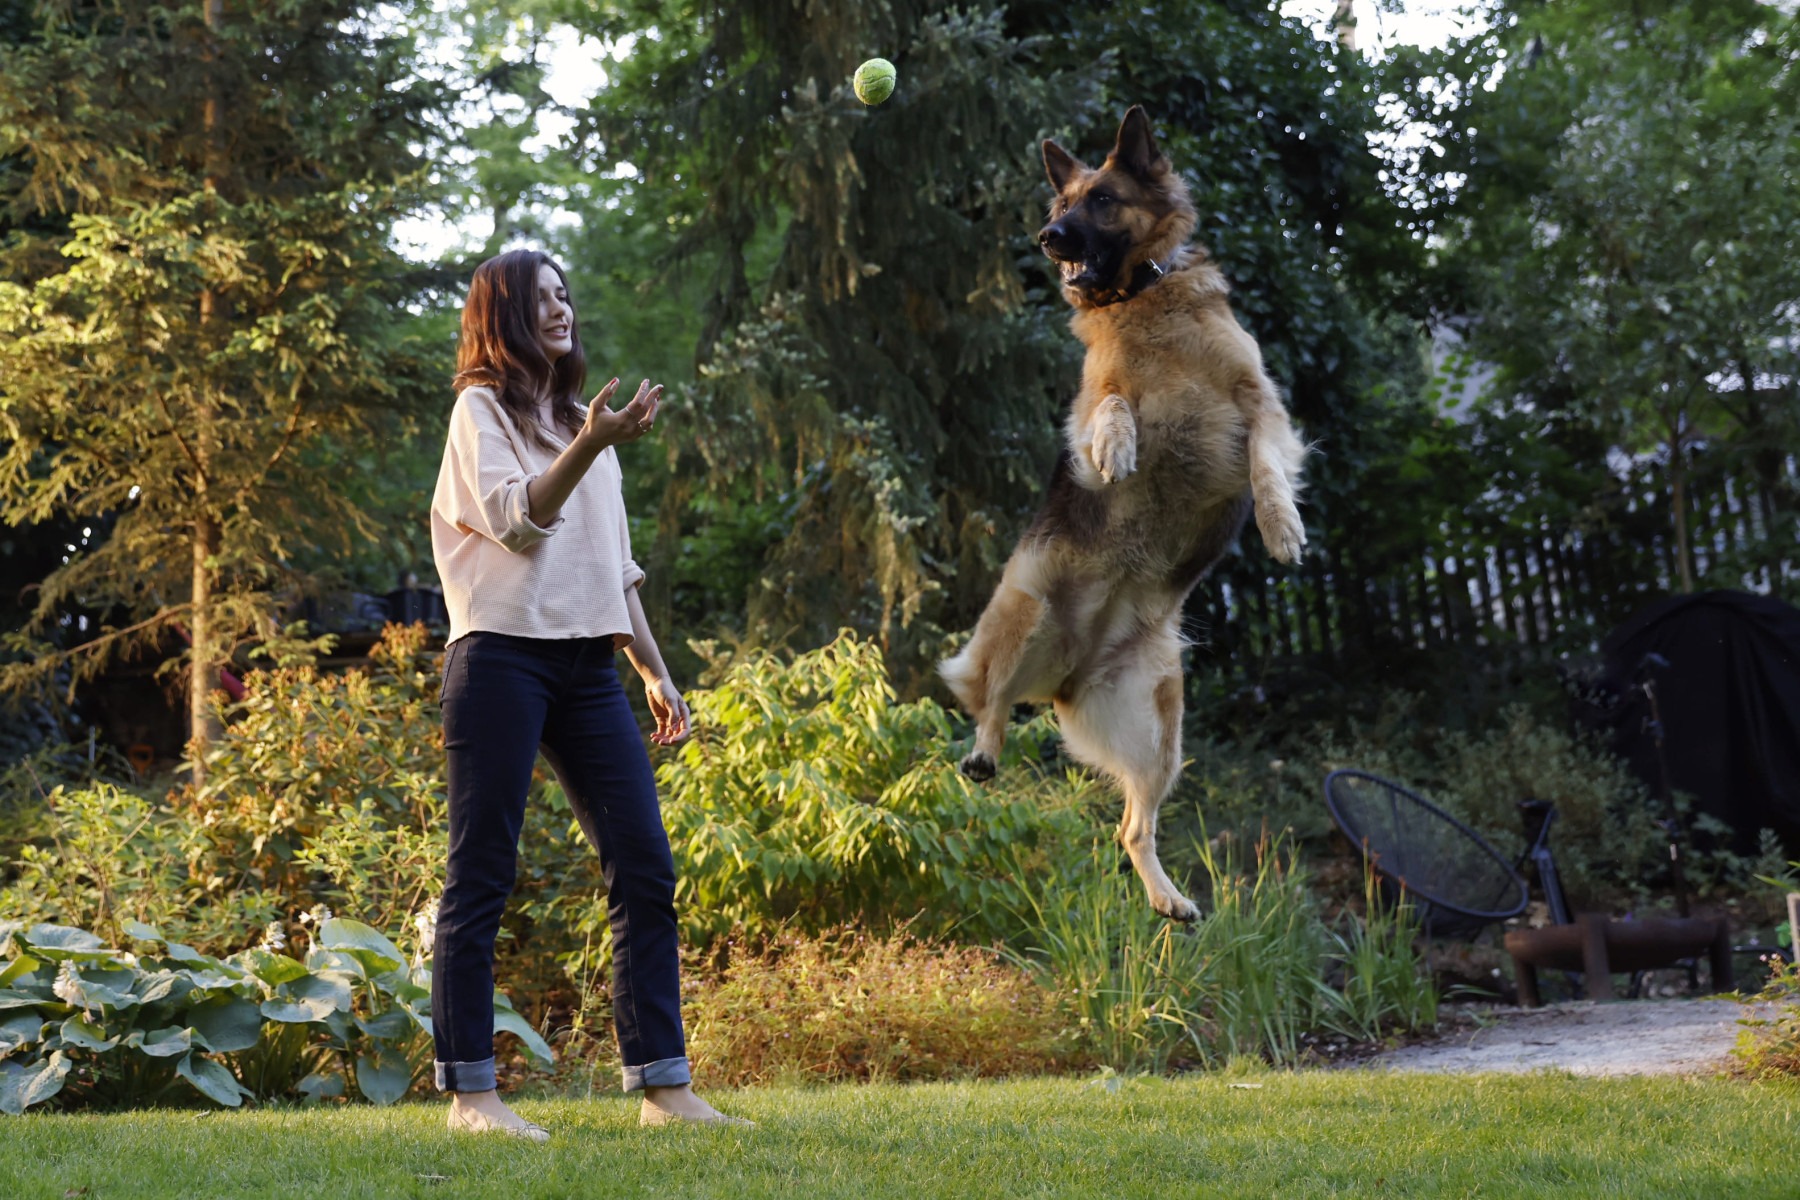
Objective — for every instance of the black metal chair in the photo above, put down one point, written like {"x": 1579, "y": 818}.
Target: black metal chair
{"x": 1459, "y": 883}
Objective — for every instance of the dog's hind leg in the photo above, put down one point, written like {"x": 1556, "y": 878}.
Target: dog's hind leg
{"x": 984, "y": 675}
{"x": 1130, "y": 727}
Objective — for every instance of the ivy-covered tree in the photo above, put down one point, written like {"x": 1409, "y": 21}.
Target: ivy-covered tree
{"x": 218, "y": 326}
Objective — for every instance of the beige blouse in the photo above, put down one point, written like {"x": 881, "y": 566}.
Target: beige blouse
{"x": 500, "y": 572}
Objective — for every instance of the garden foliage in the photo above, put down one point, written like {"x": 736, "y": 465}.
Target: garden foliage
{"x": 812, "y": 817}
{"x": 808, "y": 795}
{"x": 1768, "y": 1045}
{"x": 1251, "y": 979}
{"x": 84, "y": 1024}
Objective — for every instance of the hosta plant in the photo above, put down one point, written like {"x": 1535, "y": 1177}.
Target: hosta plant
{"x": 86, "y": 1024}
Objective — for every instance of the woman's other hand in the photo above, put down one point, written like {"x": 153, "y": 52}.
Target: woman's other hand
{"x": 671, "y": 712}
{"x": 608, "y": 428}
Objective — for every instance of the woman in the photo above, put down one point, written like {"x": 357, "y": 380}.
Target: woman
{"x": 528, "y": 529}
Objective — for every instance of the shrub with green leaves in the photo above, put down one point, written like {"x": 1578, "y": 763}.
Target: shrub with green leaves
{"x": 87, "y": 1025}
{"x": 329, "y": 786}
{"x": 809, "y": 796}
{"x": 110, "y": 856}
{"x": 1606, "y": 839}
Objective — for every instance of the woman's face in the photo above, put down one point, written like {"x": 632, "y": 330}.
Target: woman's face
{"x": 556, "y": 318}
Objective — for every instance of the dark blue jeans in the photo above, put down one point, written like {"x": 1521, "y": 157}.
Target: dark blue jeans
{"x": 504, "y": 698}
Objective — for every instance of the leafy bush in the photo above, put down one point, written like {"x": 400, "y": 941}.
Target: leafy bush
{"x": 111, "y": 856}
{"x": 1606, "y": 839}
{"x": 328, "y": 787}
{"x": 844, "y": 1006}
{"x": 809, "y": 796}
{"x": 325, "y": 788}
{"x": 86, "y": 1025}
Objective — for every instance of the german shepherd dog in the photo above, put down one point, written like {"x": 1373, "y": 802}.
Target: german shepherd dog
{"x": 1175, "y": 435}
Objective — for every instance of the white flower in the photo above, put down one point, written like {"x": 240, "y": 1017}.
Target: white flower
{"x": 318, "y": 914}
{"x": 425, "y": 921}
{"x": 274, "y": 937}
{"x": 68, "y": 985}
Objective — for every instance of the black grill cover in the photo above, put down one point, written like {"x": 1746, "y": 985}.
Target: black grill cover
{"x": 1730, "y": 700}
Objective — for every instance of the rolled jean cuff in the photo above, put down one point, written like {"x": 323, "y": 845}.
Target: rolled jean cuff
{"x": 664, "y": 1072}
{"x": 466, "y": 1077}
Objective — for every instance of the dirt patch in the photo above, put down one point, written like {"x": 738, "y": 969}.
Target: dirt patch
{"x": 1628, "y": 1037}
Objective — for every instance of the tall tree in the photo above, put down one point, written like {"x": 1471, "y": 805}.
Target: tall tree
{"x": 885, "y": 357}
{"x": 222, "y": 315}
{"x": 1614, "y": 191}
{"x": 1271, "y": 122}
{"x": 876, "y": 379}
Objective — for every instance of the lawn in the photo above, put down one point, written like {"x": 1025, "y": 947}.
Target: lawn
{"x": 1289, "y": 1135}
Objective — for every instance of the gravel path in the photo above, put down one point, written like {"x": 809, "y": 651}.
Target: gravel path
{"x": 1627, "y": 1037}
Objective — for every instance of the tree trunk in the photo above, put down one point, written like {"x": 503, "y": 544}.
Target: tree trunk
{"x": 1678, "y": 497}
{"x": 1343, "y": 22}
{"x": 203, "y": 666}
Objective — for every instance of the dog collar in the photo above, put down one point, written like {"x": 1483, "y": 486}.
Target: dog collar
{"x": 1145, "y": 274}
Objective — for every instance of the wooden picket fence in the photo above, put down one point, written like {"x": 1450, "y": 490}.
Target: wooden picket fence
{"x": 1487, "y": 581}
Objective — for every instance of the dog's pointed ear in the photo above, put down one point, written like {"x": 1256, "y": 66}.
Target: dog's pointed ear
{"x": 1136, "y": 150}
{"x": 1060, "y": 165}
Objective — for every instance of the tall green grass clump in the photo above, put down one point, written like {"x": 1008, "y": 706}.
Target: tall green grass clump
{"x": 1387, "y": 982}
{"x": 1252, "y": 978}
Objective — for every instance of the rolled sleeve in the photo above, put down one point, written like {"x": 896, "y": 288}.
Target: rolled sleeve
{"x": 517, "y": 531}
{"x": 492, "y": 480}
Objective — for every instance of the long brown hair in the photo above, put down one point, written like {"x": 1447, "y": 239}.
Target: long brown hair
{"x": 499, "y": 346}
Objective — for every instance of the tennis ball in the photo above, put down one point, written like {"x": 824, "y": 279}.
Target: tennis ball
{"x": 874, "y": 81}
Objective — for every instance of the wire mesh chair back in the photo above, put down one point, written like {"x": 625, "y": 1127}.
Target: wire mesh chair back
{"x": 1459, "y": 882}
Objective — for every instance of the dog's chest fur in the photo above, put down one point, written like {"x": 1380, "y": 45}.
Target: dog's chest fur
{"x": 1176, "y": 364}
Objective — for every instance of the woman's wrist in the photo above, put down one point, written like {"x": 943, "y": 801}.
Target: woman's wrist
{"x": 589, "y": 441}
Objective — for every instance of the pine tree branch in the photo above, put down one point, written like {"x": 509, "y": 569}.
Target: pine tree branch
{"x": 287, "y": 440}
{"x": 175, "y": 433}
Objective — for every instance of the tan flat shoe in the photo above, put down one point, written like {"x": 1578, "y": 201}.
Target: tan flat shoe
{"x": 459, "y": 1123}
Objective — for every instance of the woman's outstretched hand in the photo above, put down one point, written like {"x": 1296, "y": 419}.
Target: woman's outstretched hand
{"x": 608, "y": 428}
{"x": 671, "y": 712}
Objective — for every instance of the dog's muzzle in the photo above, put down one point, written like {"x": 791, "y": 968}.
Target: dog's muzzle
{"x": 1068, "y": 250}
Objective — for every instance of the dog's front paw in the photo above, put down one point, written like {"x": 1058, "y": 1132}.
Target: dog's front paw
{"x": 1282, "y": 531}
{"x": 1176, "y": 907}
{"x": 1114, "y": 448}
{"x": 977, "y": 765}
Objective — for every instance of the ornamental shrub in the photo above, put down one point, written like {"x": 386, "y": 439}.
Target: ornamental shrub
{"x": 807, "y": 797}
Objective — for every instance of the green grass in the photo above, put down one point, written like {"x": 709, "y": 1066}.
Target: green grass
{"x": 1296, "y": 1135}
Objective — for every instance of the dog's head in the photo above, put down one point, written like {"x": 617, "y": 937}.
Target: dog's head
{"x": 1105, "y": 223}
